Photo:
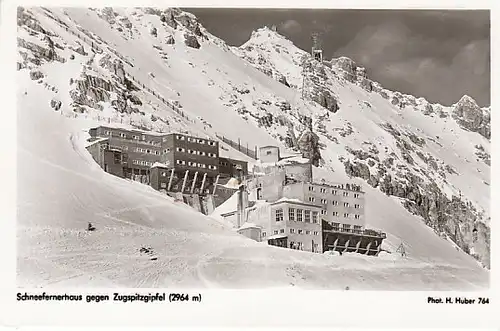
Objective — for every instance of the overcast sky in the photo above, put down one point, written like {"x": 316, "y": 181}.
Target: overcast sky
{"x": 440, "y": 55}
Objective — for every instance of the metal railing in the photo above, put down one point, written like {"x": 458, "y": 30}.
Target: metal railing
{"x": 238, "y": 146}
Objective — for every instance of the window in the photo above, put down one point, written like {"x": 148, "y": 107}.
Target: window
{"x": 282, "y": 230}
{"x": 163, "y": 185}
{"x": 311, "y": 199}
{"x": 269, "y": 153}
{"x": 346, "y": 228}
{"x": 346, "y": 204}
{"x": 201, "y": 141}
{"x": 279, "y": 215}
{"x": 311, "y": 188}
{"x": 166, "y": 150}
{"x": 299, "y": 215}
{"x": 123, "y": 135}
{"x": 180, "y": 149}
{"x": 211, "y": 143}
{"x": 323, "y": 212}
{"x": 291, "y": 214}
{"x": 335, "y": 202}
{"x": 163, "y": 173}
{"x": 292, "y": 230}
{"x": 307, "y": 216}
{"x": 308, "y": 232}
{"x": 356, "y": 206}
{"x": 263, "y": 234}
{"x": 108, "y": 133}
{"x": 135, "y": 137}
{"x": 181, "y": 162}
{"x": 356, "y": 195}
{"x": 157, "y": 152}
{"x": 356, "y": 217}
{"x": 315, "y": 217}
{"x": 335, "y": 213}
{"x": 345, "y": 194}
{"x": 322, "y": 190}
{"x": 346, "y": 215}
{"x": 316, "y": 233}
{"x": 191, "y": 163}
{"x": 180, "y": 137}
{"x": 202, "y": 153}
{"x": 324, "y": 201}
{"x": 275, "y": 231}
{"x": 299, "y": 231}
{"x": 334, "y": 192}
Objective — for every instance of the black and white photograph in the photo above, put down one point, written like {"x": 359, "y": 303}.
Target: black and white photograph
{"x": 253, "y": 148}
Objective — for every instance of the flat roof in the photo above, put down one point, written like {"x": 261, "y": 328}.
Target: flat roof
{"x": 335, "y": 186}
{"x": 152, "y": 133}
{"x": 277, "y": 236}
{"x": 269, "y": 146}
{"x": 295, "y": 202}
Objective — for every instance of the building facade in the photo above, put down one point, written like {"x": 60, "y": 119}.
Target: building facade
{"x": 170, "y": 162}
{"x": 269, "y": 154}
{"x": 342, "y": 205}
{"x": 289, "y": 224}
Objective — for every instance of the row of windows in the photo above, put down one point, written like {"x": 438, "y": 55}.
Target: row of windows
{"x": 147, "y": 151}
{"x": 142, "y": 138}
{"x": 300, "y": 231}
{"x": 334, "y": 202}
{"x": 334, "y": 192}
{"x": 191, "y": 151}
{"x": 292, "y": 231}
{"x": 299, "y": 215}
{"x": 336, "y": 214}
{"x": 194, "y": 164}
{"x": 142, "y": 162}
{"x": 196, "y": 140}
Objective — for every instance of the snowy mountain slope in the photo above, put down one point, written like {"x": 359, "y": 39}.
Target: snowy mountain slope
{"x": 66, "y": 191}
{"x": 219, "y": 93}
{"x": 404, "y": 145}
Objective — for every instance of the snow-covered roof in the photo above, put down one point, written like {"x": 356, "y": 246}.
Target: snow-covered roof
{"x": 294, "y": 201}
{"x": 98, "y": 140}
{"x": 277, "y": 236}
{"x": 159, "y": 165}
{"x": 248, "y": 225}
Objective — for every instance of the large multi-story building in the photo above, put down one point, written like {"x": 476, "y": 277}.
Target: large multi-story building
{"x": 341, "y": 207}
{"x": 170, "y": 162}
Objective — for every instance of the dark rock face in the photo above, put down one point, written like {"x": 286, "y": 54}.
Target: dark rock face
{"x": 170, "y": 40}
{"x": 471, "y": 117}
{"x": 191, "y": 41}
{"x": 55, "y": 104}
{"x": 308, "y": 144}
{"x": 366, "y": 84}
{"x": 39, "y": 52}
{"x": 327, "y": 100}
{"x": 153, "y": 31}
{"x": 282, "y": 79}
{"x": 36, "y": 75}
{"x": 454, "y": 218}
{"x": 169, "y": 19}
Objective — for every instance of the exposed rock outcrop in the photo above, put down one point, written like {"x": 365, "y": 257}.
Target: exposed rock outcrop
{"x": 471, "y": 117}
{"x": 191, "y": 41}
{"x": 308, "y": 144}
